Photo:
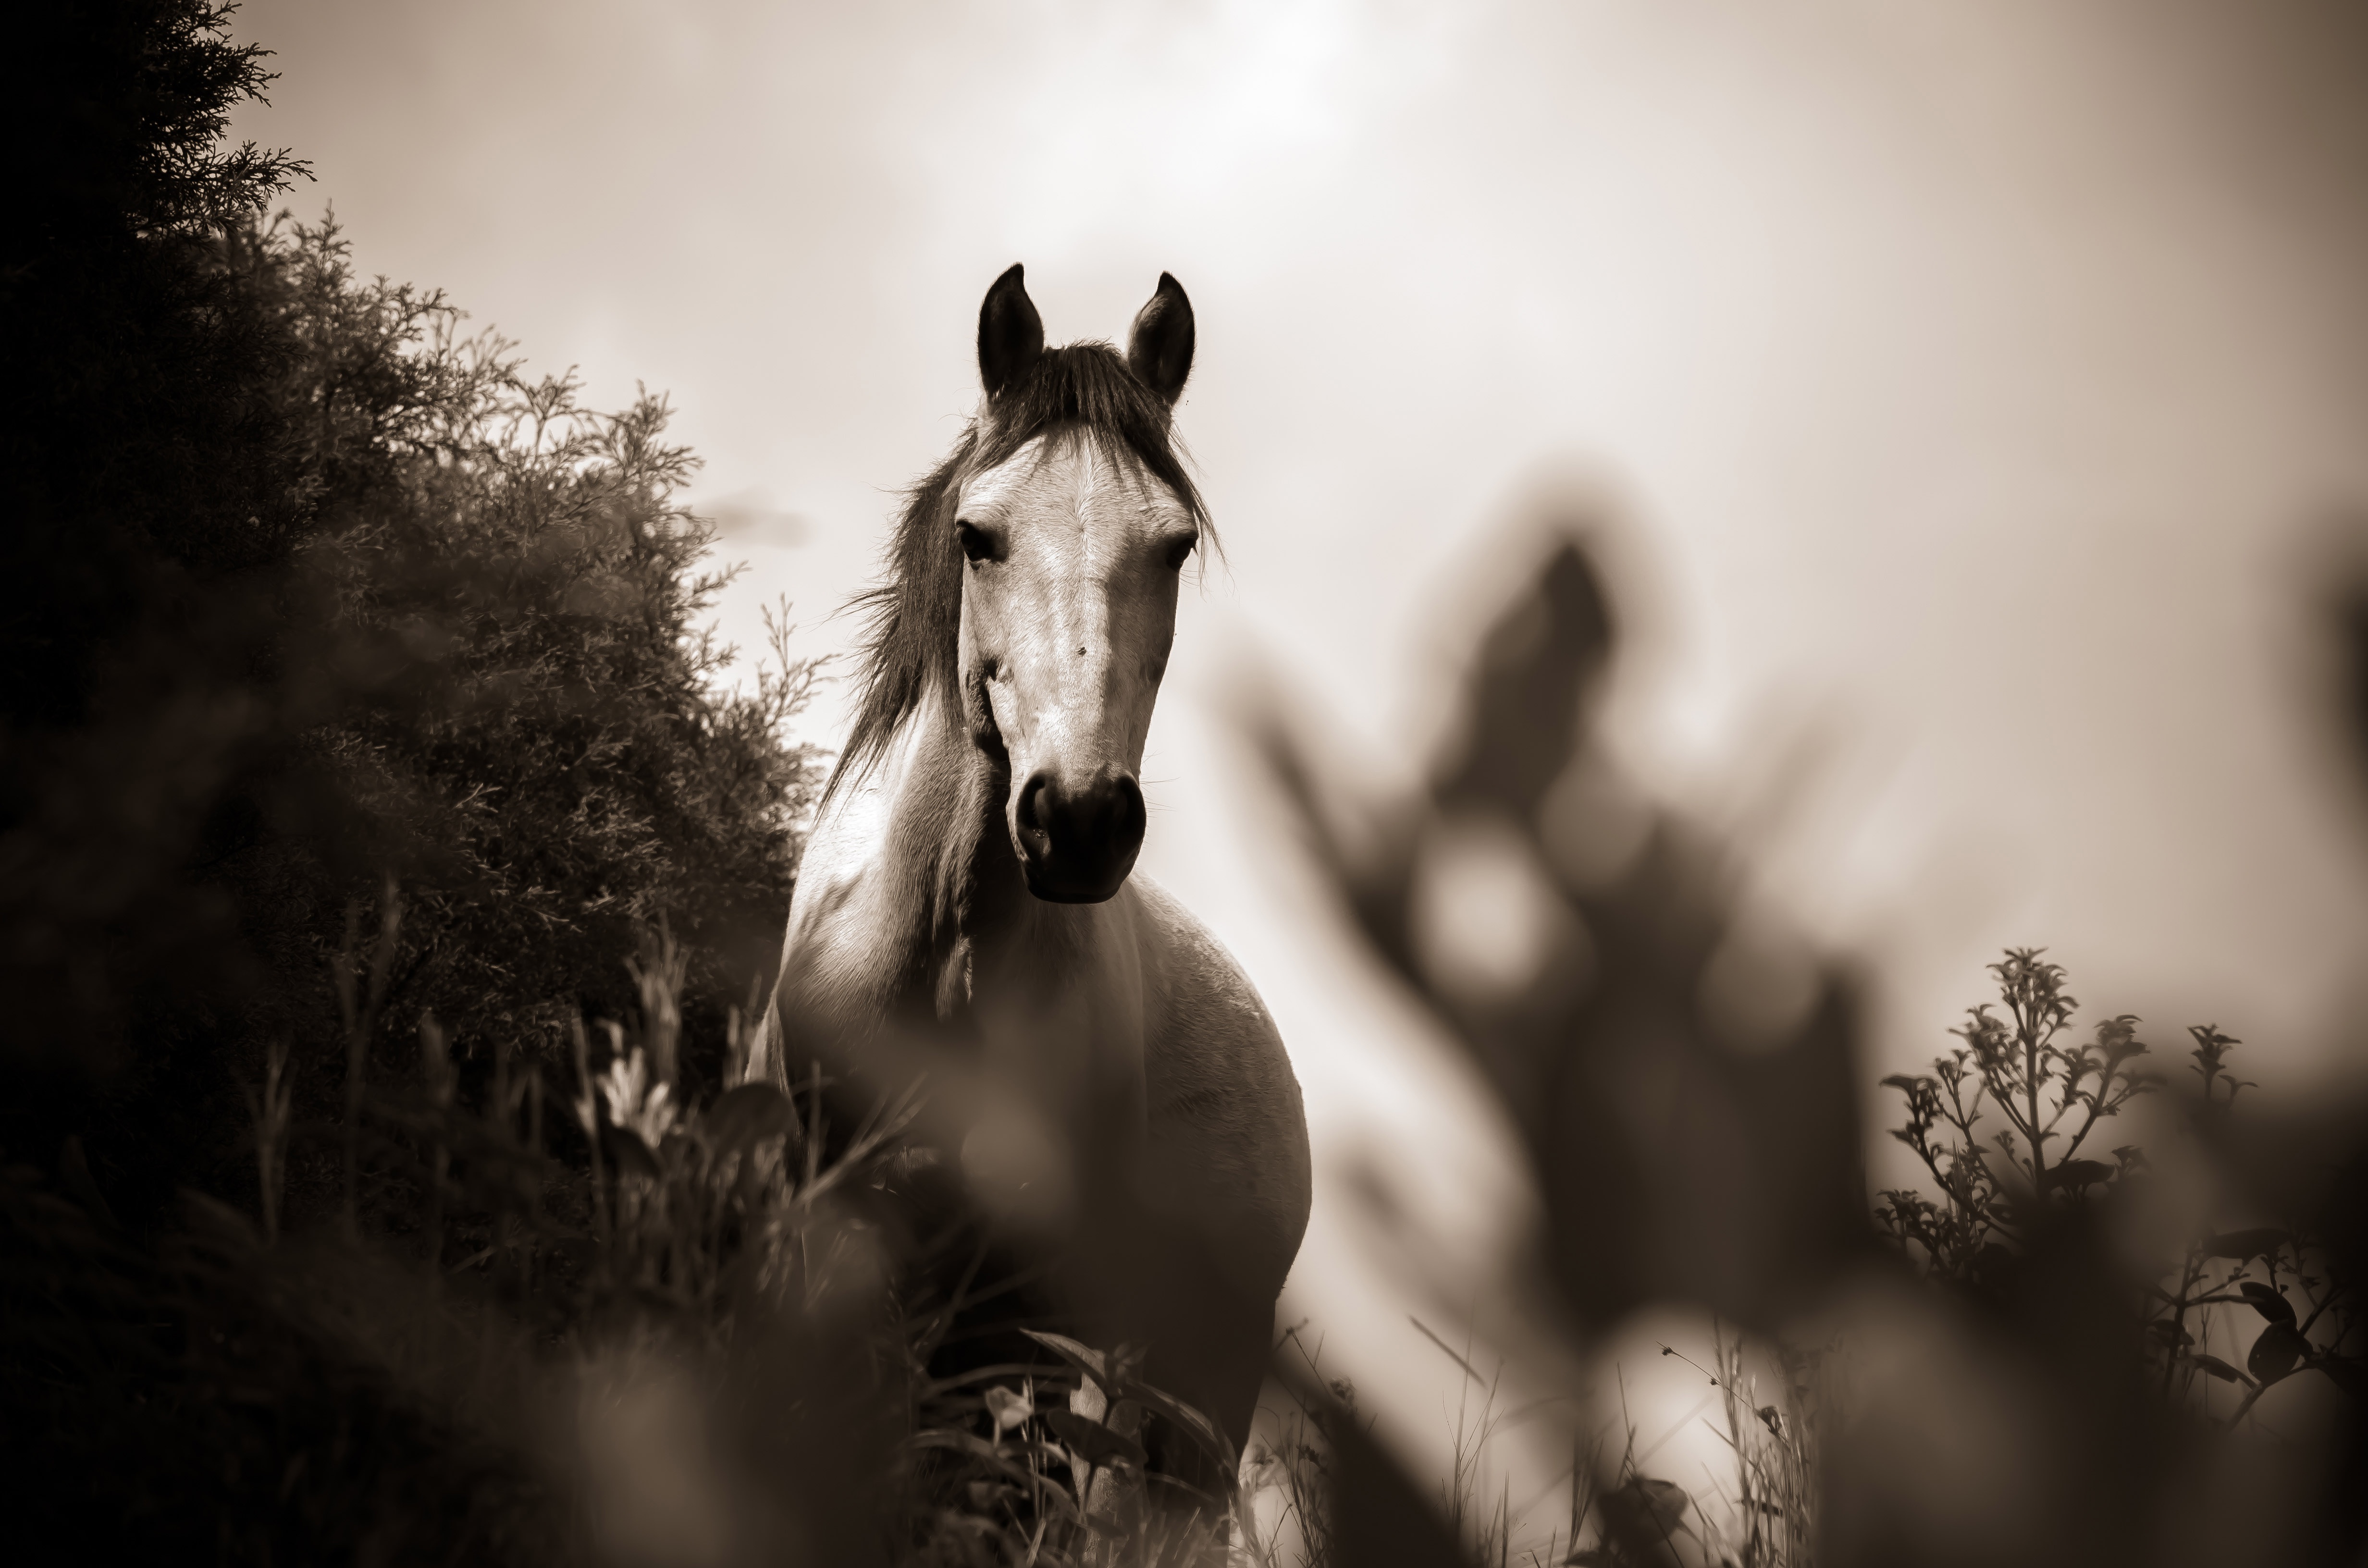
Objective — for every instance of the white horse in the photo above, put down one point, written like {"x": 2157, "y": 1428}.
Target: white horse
{"x": 967, "y": 888}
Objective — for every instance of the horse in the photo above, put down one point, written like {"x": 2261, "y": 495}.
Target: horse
{"x": 967, "y": 888}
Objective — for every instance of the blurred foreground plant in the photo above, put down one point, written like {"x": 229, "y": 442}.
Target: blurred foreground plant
{"x": 1682, "y": 1072}
{"x": 707, "y": 1332}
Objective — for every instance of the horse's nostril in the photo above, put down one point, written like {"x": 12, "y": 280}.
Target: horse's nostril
{"x": 1035, "y": 800}
{"x": 1078, "y": 844}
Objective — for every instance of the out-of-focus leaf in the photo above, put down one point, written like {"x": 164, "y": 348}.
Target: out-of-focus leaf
{"x": 624, "y": 1146}
{"x": 974, "y": 1446}
{"x": 1745, "y": 1192}
{"x": 2242, "y": 1245}
{"x": 2169, "y": 1333}
{"x": 1664, "y": 1502}
{"x": 2346, "y": 1373}
{"x": 2275, "y": 1352}
{"x": 2078, "y": 1174}
{"x": 1190, "y": 1422}
{"x": 1091, "y": 1400}
{"x": 1093, "y": 1442}
{"x": 1380, "y": 1516}
{"x": 1084, "y": 1358}
{"x": 1642, "y": 1516}
{"x": 1008, "y": 1409}
{"x": 2267, "y": 1301}
{"x": 2219, "y": 1369}
{"x": 748, "y": 1115}
{"x": 1203, "y": 1431}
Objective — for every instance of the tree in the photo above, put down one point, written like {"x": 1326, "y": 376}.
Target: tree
{"x": 145, "y": 523}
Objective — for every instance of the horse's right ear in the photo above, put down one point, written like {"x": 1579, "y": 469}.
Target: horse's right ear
{"x": 1160, "y": 349}
{"x": 1011, "y": 333}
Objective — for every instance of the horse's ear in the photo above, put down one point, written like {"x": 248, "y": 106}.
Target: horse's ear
{"x": 1160, "y": 348}
{"x": 1011, "y": 333}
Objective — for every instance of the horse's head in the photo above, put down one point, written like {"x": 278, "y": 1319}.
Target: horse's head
{"x": 1074, "y": 522}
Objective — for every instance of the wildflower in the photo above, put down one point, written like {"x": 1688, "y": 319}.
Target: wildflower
{"x": 635, "y": 1102}
{"x": 1008, "y": 1409}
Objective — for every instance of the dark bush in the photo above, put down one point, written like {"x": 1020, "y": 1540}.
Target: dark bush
{"x": 329, "y": 599}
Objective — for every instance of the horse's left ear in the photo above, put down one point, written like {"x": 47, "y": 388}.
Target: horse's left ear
{"x": 1160, "y": 348}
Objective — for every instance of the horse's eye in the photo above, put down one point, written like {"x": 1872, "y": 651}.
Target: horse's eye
{"x": 1181, "y": 550}
{"x": 977, "y": 544}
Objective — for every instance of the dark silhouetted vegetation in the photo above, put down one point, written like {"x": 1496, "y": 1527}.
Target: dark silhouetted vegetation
{"x": 331, "y": 598}
{"x": 2003, "y": 1194}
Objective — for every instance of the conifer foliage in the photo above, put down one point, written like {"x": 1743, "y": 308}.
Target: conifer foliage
{"x": 539, "y": 745}
{"x": 315, "y": 596}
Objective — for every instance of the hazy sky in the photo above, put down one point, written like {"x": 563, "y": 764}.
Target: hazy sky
{"x": 1973, "y": 379}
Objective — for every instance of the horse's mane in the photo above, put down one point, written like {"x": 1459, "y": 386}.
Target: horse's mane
{"x": 916, "y": 611}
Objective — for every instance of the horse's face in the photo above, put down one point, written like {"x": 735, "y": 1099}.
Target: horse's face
{"x": 1071, "y": 562}
{"x": 1071, "y": 557}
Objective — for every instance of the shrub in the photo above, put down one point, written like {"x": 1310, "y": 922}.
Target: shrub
{"x": 540, "y": 748}
{"x": 329, "y": 595}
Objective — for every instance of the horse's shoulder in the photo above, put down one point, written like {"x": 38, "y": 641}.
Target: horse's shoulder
{"x": 1185, "y": 963}
{"x": 1228, "y": 1129}
{"x": 1211, "y": 1033}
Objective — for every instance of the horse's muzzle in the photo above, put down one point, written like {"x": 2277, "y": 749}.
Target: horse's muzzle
{"x": 1077, "y": 845}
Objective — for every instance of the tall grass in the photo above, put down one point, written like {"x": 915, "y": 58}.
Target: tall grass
{"x": 709, "y": 1332}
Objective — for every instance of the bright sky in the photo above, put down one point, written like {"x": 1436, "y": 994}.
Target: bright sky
{"x": 1973, "y": 379}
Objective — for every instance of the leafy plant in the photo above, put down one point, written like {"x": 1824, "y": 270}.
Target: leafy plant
{"x": 1995, "y": 1195}
{"x": 2045, "y": 1091}
{"x": 2317, "y": 1333}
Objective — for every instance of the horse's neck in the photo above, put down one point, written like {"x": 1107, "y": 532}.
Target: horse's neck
{"x": 911, "y": 870}
{"x": 913, "y": 912}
